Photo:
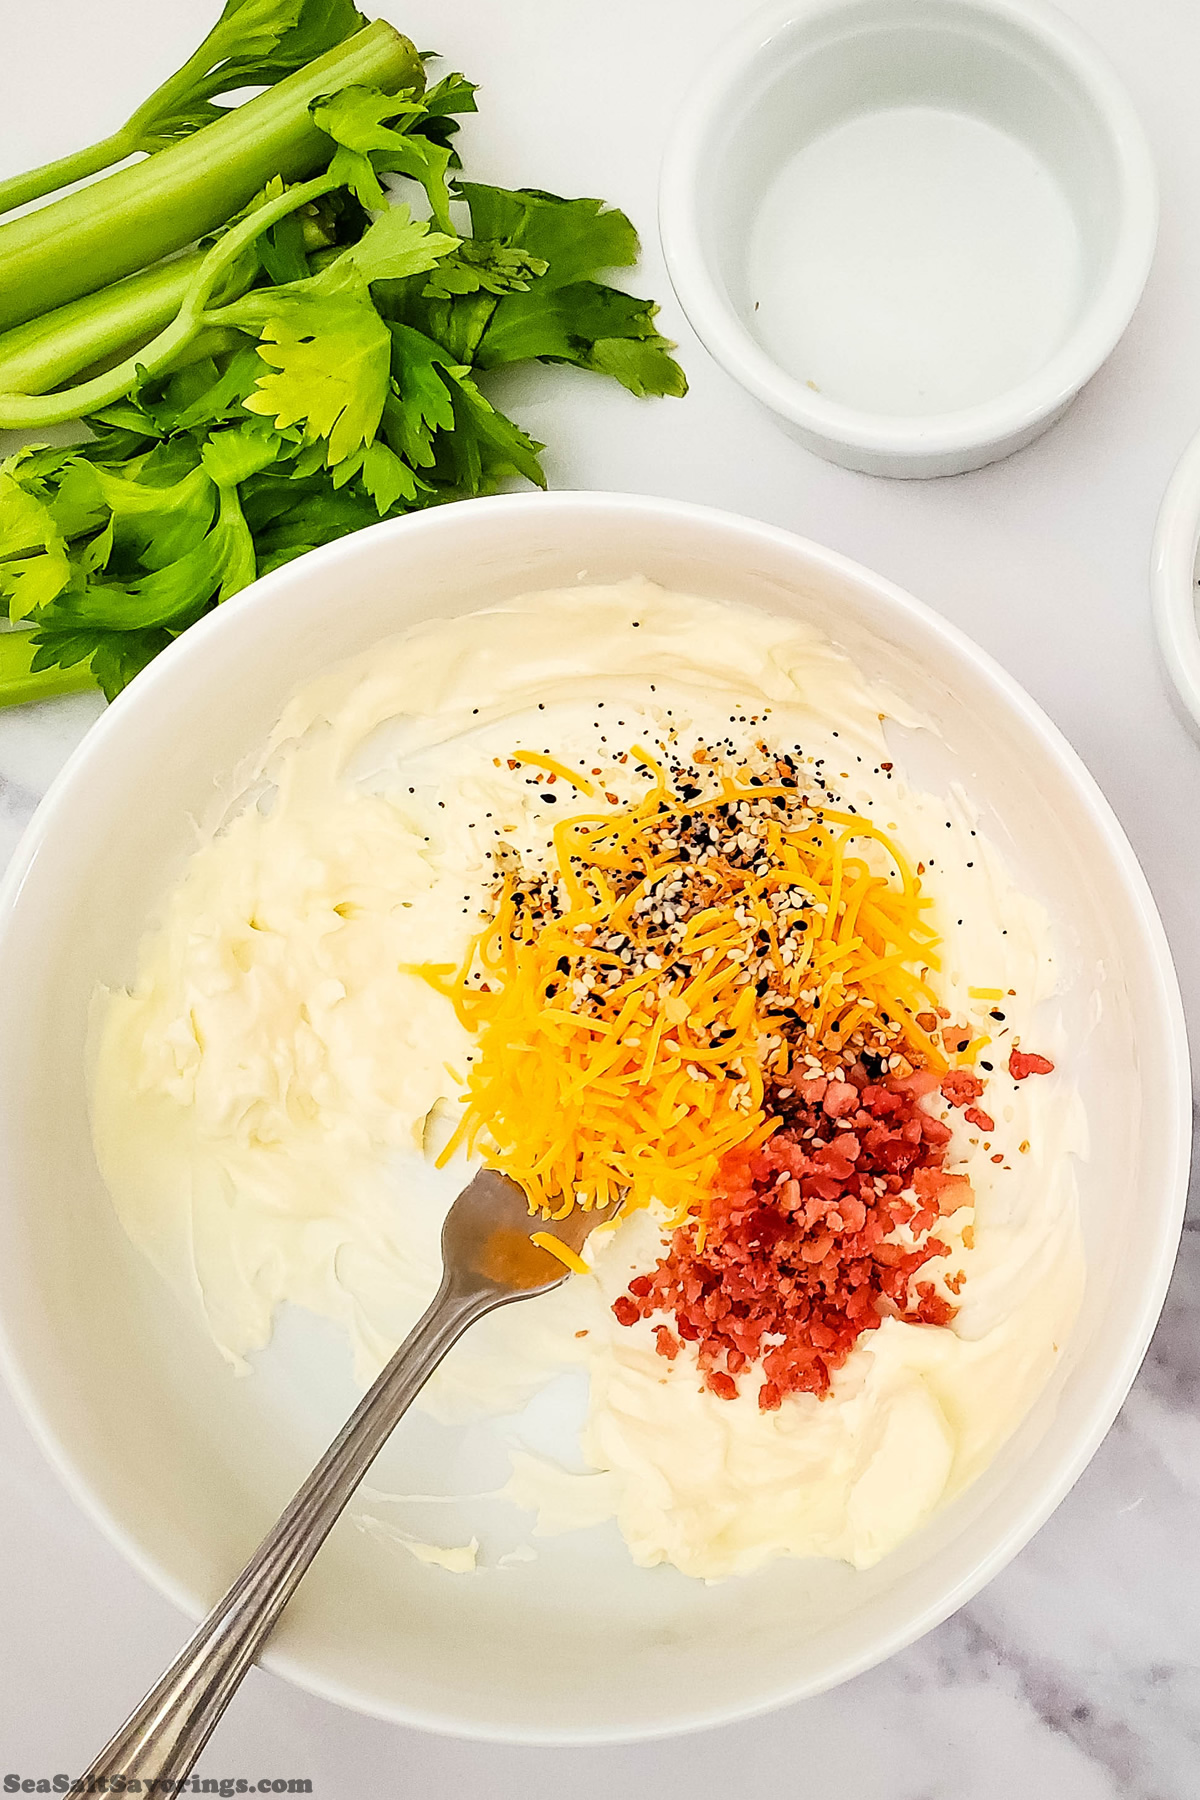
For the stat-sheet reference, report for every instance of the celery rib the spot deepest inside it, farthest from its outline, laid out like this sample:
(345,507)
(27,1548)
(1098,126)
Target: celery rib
(137,215)
(38,355)
(19,684)
(19,190)
(30,412)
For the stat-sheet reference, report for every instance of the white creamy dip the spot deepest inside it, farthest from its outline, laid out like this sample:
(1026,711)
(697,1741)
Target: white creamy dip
(268,1097)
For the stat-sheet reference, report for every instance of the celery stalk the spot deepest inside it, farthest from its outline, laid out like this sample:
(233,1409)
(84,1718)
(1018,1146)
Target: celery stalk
(208,287)
(19,190)
(36,356)
(19,684)
(133,217)
(254,43)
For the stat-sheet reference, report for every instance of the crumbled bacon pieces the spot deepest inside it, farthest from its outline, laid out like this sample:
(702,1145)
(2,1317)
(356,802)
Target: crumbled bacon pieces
(975,1115)
(840,1099)
(1023,1062)
(960,1086)
(800,1253)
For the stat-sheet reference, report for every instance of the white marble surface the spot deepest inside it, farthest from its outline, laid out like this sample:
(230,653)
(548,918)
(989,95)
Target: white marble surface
(1076,1675)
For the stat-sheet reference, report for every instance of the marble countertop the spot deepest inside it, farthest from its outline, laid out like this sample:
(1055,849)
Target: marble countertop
(1076,1674)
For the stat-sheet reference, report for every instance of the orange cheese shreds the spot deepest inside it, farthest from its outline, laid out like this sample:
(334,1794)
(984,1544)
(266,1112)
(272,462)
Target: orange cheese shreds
(534,759)
(546,1240)
(602,1074)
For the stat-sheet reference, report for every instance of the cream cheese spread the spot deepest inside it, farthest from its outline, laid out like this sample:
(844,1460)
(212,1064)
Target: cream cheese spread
(268,1095)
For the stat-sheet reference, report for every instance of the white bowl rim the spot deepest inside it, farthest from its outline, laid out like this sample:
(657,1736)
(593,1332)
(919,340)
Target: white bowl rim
(996,421)
(1027,1520)
(1173,578)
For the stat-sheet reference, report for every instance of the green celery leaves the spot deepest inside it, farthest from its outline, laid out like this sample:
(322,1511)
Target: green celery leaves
(253,43)
(345,385)
(330,358)
(355,120)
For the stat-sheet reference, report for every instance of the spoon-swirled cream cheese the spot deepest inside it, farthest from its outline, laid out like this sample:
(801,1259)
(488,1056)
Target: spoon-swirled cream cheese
(267,1095)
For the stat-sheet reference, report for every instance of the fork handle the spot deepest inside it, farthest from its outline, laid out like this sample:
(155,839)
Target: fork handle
(162,1737)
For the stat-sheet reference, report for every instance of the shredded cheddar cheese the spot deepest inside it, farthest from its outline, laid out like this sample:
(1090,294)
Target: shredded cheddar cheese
(632,1005)
(546,1240)
(552,766)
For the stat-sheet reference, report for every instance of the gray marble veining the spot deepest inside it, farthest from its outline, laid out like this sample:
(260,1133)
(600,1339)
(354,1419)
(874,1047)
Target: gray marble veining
(35,741)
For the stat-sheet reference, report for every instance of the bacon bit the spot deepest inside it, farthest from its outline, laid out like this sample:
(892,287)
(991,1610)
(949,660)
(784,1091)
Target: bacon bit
(968,1237)
(928,1022)
(799,1240)
(975,1115)
(948,1191)
(840,1098)
(918,1083)
(1023,1062)
(999,1157)
(931,1308)
(954,1282)
(611,798)
(960,1086)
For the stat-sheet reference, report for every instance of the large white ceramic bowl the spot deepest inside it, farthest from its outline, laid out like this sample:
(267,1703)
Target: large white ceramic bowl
(913,229)
(184,1465)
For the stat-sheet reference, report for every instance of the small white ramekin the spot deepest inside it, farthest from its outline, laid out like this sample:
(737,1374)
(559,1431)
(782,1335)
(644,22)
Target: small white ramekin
(807,74)
(1173,580)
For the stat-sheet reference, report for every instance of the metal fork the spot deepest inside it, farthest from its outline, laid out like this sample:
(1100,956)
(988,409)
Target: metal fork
(488,1261)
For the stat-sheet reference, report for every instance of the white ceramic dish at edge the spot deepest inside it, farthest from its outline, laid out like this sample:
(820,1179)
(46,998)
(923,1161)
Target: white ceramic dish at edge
(1173,573)
(912,229)
(183,1465)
